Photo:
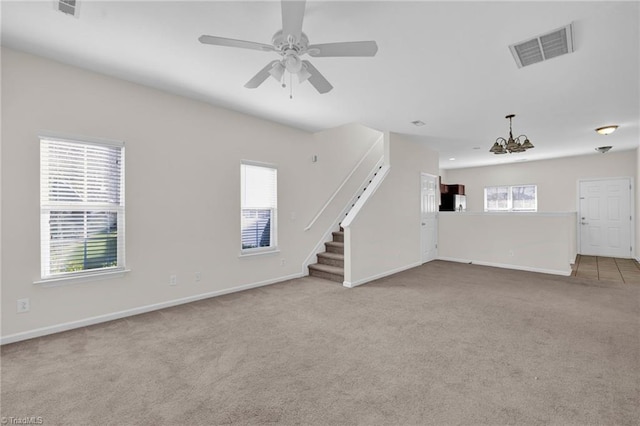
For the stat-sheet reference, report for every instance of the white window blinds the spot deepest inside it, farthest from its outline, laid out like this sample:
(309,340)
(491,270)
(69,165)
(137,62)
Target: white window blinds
(521,198)
(259,205)
(82,207)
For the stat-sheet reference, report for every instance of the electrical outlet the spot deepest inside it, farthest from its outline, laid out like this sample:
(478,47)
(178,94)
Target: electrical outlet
(511,253)
(173,280)
(283,262)
(23,305)
(198,276)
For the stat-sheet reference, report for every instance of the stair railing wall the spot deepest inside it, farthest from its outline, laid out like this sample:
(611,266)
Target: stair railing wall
(344,182)
(372,187)
(327,236)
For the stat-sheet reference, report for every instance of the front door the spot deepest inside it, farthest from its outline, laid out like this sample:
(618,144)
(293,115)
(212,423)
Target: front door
(429,217)
(604,217)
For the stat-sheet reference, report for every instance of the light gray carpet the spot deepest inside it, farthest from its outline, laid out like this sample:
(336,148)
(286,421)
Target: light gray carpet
(441,344)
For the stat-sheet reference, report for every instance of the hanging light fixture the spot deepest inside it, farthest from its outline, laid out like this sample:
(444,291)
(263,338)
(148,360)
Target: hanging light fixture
(503,146)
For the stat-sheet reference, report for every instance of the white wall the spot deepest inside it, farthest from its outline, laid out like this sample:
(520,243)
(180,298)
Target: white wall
(557,182)
(637,207)
(182,191)
(385,236)
(556,179)
(336,150)
(540,242)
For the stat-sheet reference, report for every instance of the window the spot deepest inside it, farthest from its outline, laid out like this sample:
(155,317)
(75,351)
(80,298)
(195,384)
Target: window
(81,207)
(516,198)
(259,207)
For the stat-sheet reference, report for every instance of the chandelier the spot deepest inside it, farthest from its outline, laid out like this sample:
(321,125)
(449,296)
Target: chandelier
(503,146)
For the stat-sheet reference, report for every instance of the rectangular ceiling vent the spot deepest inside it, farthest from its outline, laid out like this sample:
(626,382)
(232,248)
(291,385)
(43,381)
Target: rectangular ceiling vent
(68,7)
(543,47)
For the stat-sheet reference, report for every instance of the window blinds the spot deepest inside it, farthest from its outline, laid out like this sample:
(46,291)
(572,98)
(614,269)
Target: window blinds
(82,206)
(259,204)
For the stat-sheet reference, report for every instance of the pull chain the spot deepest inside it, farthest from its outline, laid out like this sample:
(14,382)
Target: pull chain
(290,86)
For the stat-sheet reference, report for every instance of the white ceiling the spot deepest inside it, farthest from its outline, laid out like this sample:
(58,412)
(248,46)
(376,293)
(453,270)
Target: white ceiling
(445,63)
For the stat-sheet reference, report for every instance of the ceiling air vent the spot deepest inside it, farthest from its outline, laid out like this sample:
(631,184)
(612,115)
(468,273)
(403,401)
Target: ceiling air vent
(543,47)
(67,7)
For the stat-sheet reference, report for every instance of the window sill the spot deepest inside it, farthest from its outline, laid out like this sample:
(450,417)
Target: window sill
(259,252)
(74,279)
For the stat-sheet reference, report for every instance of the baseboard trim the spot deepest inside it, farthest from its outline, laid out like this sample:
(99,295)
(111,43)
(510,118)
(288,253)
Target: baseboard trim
(350,284)
(44,331)
(565,273)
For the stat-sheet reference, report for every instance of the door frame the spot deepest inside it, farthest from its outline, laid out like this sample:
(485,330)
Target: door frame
(632,208)
(437,213)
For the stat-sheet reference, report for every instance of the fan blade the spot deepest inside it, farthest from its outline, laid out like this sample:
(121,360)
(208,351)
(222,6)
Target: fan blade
(292,17)
(349,48)
(229,42)
(262,75)
(316,79)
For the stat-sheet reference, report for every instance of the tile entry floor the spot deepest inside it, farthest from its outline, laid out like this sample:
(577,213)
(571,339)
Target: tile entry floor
(607,269)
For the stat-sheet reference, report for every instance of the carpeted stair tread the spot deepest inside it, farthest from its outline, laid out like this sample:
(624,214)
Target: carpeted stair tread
(327,268)
(335,256)
(333,259)
(327,272)
(338,236)
(334,243)
(330,264)
(334,247)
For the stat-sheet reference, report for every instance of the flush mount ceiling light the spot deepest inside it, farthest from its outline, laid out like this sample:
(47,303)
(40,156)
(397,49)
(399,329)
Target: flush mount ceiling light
(503,146)
(603,149)
(606,130)
(418,123)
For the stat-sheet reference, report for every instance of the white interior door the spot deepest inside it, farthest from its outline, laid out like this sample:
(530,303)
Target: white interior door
(604,217)
(429,217)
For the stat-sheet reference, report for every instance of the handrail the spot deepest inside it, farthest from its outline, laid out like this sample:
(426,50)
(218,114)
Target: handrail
(371,189)
(344,182)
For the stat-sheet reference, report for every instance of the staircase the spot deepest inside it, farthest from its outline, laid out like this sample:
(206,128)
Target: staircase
(330,264)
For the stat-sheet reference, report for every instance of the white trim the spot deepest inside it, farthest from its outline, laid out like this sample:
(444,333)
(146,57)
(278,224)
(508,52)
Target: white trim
(371,189)
(632,212)
(515,213)
(60,137)
(437,235)
(510,199)
(38,332)
(349,284)
(258,252)
(81,277)
(565,273)
(259,164)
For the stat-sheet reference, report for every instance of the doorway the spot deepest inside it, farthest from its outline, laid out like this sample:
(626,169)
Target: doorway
(429,217)
(604,217)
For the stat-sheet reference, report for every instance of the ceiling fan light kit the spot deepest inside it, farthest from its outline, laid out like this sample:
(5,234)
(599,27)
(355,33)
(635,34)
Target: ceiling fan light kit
(291,44)
(504,146)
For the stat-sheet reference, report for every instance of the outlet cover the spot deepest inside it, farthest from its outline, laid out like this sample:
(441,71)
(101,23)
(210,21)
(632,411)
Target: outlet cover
(173,280)
(23,305)
(198,276)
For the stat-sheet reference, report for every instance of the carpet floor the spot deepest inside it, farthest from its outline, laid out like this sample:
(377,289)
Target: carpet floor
(442,344)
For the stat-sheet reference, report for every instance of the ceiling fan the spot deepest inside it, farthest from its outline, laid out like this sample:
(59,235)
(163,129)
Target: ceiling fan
(291,43)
